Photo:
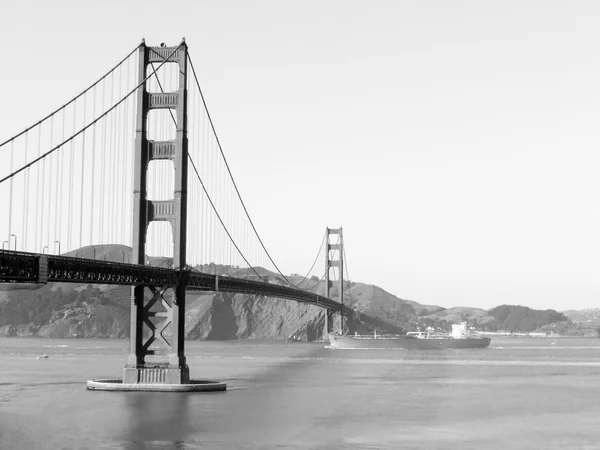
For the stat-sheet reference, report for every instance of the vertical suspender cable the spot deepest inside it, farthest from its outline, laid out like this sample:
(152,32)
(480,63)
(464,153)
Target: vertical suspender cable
(200,201)
(10,200)
(191,217)
(219,199)
(123,158)
(210,181)
(116,167)
(119,169)
(40,198)
(71,174)
(102,167)
(26,202)
(59,179)
(82,174)
(204,202)
(346,266)
(232,224)
(128,154)
(36,218)
(111,166)
(50,181)
(113,170)
(192,211)
(93,177)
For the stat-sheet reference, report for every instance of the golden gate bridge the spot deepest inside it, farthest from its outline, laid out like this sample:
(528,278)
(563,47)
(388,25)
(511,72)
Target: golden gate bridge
(144,128)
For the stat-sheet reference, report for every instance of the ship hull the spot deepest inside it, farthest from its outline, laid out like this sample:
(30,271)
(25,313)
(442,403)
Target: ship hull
(406,342)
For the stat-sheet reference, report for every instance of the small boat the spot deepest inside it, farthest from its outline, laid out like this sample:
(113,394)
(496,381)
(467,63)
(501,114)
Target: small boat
(44,356)
(458,339)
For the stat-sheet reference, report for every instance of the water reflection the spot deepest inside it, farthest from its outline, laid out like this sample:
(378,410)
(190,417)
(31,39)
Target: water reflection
(161,419)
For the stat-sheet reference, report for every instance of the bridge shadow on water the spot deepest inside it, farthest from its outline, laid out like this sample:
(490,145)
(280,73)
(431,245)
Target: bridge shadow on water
(157,418)
(252,412)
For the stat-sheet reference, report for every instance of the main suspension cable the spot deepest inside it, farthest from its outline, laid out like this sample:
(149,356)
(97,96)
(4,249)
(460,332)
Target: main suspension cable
(219,216)
(70,101)
(234,185)
(346,265)
(230,174)
(203,186)
(313,264)
(87,126)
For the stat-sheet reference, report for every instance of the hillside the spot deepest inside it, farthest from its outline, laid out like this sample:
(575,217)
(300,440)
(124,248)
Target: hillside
(413,315)
(474,316)
(584,317)
(521,318)
(103,311)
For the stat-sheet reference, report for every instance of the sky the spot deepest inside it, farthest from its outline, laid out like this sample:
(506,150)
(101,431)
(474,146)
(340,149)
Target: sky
(456,142)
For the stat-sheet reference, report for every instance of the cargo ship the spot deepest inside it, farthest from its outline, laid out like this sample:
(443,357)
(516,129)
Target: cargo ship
(459,338)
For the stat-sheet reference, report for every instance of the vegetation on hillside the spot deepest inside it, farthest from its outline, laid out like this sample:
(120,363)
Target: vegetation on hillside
(589,317)
(523,319)
(37,307)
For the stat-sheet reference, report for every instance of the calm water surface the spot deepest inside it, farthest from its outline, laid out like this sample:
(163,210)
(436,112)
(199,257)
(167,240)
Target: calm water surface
(517,394)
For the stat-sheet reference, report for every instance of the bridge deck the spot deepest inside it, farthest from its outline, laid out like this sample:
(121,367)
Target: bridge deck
(27,270)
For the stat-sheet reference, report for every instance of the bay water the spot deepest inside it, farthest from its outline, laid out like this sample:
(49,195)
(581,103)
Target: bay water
(520,393)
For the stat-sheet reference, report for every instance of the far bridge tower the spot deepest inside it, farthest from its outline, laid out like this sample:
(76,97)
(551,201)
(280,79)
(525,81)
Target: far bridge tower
(334,257)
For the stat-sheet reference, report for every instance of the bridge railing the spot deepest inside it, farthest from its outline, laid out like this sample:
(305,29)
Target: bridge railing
(62,268)
(22,267)
(18,267)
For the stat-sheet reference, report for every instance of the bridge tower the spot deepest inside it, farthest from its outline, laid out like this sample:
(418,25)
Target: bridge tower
(147,324)
(334,257)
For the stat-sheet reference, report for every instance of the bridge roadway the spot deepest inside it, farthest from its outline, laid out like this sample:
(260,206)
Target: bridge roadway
(29,270)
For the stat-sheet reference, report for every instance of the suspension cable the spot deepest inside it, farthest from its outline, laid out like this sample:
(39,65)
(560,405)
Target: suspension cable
(219,216)
(318,282)
(346,265)
(234,185)
(202,184)
(326,270)
(313,264)
(229,171)
(71,101)
(89,125)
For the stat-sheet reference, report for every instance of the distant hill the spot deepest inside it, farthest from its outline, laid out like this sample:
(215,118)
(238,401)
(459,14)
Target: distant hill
(584,317)
(474,316)
(115,253)
(413,315)
(522,318)
(369,297)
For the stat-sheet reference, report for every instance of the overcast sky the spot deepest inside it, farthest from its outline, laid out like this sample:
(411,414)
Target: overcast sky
(455,141)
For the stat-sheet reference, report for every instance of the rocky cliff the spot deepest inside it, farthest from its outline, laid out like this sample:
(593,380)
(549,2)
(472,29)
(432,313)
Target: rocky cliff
(239,316)
(103,312)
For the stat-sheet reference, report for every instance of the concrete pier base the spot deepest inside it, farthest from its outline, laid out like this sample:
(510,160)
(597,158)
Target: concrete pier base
(192,386)
(156,373)
(157,377)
